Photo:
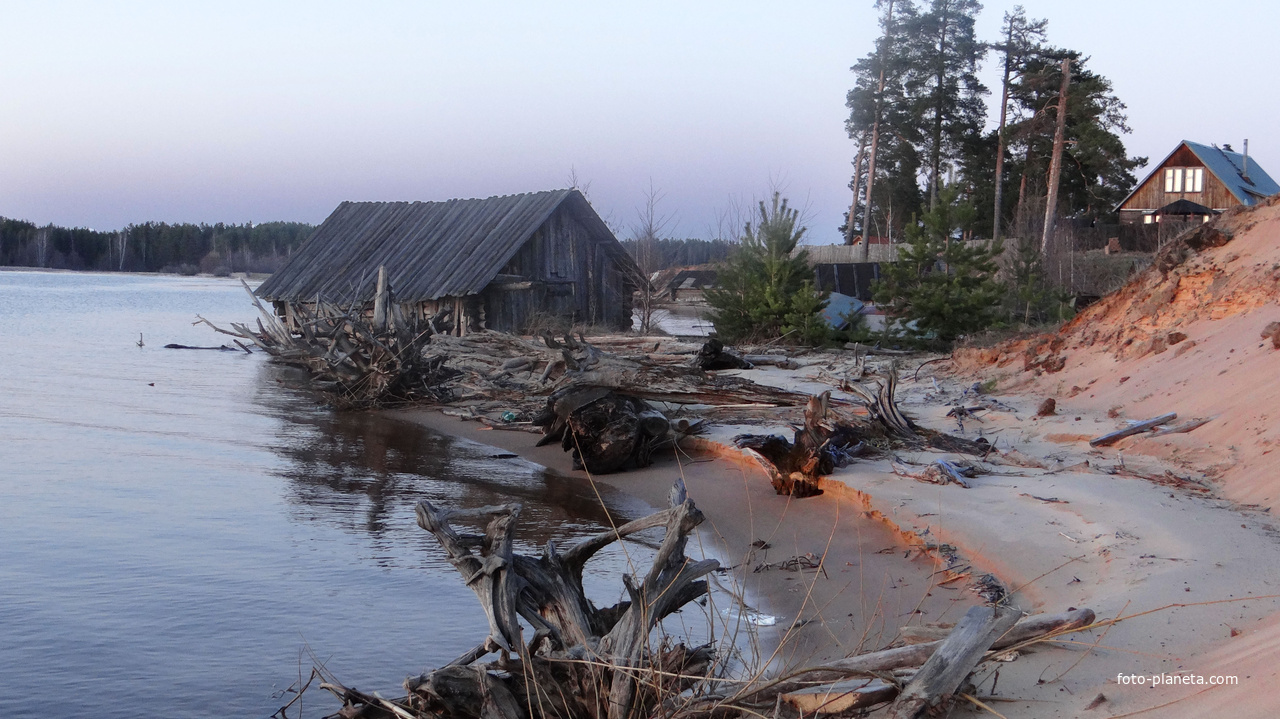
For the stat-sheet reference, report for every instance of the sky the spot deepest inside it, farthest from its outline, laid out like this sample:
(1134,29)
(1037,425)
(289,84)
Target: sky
(114,113)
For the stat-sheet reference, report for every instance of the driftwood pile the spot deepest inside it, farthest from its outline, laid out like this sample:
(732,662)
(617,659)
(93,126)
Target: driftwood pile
(597,403)
(578,661)
(830,439)
(355,360)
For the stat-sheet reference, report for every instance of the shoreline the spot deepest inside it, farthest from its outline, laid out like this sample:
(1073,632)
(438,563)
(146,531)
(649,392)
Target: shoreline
(1062,537)
(865,590)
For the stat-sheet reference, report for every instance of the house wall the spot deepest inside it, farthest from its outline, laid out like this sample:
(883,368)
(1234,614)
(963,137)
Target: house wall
(564,271)
(1151,195)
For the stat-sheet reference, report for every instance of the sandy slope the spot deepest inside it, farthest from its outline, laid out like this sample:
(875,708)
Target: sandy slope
(1185,337)
(1123,353)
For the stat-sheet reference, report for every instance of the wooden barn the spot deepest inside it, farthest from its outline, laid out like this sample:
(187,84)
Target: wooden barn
(1196,182)
(501,263)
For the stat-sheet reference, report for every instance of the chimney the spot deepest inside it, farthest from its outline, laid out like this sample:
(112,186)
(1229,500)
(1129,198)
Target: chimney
(1245,174)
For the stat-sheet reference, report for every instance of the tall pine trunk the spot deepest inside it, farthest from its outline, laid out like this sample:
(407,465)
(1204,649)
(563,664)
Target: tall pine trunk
(1004,109)
(1055,165)
(875,140)
(935,161)
(857,187)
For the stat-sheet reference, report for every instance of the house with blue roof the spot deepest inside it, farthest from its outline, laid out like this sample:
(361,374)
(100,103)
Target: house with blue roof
(1196,182)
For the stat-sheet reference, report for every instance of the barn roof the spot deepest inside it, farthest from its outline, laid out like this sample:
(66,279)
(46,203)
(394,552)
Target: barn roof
(1228,166)
(430,249)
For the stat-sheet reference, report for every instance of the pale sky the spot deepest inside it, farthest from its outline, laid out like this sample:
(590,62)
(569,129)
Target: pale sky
(118,112)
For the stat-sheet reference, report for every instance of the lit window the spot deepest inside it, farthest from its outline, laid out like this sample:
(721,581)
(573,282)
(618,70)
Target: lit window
(1173,179)
(1146,220)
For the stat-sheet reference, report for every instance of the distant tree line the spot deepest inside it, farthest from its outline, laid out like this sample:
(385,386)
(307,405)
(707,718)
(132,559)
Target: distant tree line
(661,254)
(152,247)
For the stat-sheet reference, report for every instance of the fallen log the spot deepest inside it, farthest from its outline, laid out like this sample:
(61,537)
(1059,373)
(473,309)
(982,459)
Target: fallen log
(1135,428)
(219,348)
(779,361)
(873,664)
(841,697)
(1184,427)
(953,660)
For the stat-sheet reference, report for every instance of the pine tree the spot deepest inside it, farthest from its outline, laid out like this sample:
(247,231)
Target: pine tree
(942,84)
(763,290)
(1021,41)
(1031,300)
(1097,170)
(879,120)
(942,287)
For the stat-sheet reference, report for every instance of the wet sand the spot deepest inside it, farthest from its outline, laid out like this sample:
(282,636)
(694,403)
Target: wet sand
(869,583)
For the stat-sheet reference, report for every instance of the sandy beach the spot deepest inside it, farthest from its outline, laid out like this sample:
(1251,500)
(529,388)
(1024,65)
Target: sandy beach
(1064,535)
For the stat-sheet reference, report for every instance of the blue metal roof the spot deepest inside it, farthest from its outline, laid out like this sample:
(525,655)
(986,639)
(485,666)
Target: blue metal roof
(1228,166)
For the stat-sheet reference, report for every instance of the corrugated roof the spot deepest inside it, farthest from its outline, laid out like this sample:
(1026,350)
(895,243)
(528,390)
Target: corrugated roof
(1228,167)
(430,249)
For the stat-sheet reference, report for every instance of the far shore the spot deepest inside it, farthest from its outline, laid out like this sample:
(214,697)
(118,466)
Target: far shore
(249,276)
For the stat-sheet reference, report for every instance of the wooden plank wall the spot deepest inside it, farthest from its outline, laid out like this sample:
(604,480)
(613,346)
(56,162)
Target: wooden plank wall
(570,276)
(1151,195)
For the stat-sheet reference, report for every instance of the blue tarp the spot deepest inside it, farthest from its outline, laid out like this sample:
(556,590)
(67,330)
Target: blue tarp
(839,308)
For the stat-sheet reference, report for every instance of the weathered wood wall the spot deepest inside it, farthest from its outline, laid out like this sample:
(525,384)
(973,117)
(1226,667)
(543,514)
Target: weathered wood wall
(565,271)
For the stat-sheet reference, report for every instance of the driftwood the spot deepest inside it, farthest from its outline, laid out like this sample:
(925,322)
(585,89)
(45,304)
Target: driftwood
(605,431)
(581,662)
(584,662)
(953,660)
(819,446)
(877,350)
(841,697)
(940,472)
(823,443)
(1184,427)
(355,361)
(800,688)
(1135,428)
(714,356)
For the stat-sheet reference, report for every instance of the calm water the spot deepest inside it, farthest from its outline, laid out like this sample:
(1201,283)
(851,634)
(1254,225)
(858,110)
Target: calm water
(179,528)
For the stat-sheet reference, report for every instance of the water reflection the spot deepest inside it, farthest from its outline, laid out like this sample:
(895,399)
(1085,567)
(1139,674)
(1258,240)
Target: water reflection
(365,472)
(175,525)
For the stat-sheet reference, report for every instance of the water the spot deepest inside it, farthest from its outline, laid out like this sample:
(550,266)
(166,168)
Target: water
(183,532)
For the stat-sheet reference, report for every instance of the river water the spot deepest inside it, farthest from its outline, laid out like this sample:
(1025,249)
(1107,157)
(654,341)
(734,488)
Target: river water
(183,533)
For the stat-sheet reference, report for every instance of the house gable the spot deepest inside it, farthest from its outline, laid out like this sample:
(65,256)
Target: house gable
(1203,174)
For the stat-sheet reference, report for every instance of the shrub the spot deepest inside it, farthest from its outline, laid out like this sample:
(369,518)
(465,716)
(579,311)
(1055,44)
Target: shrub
(763,291)
(941,287)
